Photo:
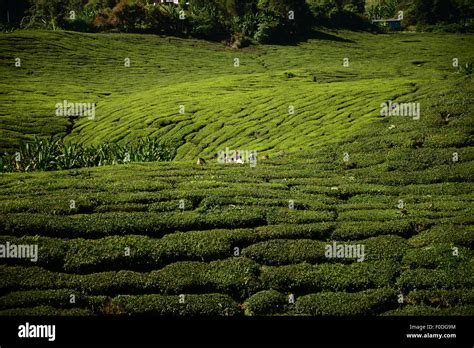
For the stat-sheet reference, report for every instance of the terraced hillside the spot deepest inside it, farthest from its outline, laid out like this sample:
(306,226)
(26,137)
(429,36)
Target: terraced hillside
(224,105)
(227,239)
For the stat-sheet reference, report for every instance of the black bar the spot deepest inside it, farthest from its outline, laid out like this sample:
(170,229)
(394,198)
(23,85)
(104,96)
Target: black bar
(241,331)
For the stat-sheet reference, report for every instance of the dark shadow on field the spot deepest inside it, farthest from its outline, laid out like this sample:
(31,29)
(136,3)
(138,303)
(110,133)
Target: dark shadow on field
(319,35)
(313,35)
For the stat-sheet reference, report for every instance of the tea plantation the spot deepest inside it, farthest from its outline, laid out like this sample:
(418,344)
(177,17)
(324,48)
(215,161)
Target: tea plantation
(181,239)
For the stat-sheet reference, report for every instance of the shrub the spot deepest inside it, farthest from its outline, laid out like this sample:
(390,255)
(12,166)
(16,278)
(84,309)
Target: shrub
(121,223)
(235,276)
(363,229)
(441,298)
(307,278)
(318,230)
(280,252)
(212,244)
(368,302)
(212,202)
(107,283)
(46,311)
(51,204)
(15,278)
(145,253)
(436,256)
(279,216)
(51,252)
(90,255)
(265,302)
(125,207)
(445,233)
(384,248)
(194,305)
(422,310)
(369,215)
(27,278)
(55,298)
(172,205)
(422,278)
(108,253)
(467,68)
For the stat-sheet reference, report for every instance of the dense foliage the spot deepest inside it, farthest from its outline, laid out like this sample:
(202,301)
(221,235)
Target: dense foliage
(238,22)
(55,154)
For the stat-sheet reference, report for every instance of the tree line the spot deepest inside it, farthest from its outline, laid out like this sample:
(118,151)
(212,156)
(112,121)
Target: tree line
(239,22)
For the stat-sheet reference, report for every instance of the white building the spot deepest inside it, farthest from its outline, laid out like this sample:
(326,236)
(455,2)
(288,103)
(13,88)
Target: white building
(166,2)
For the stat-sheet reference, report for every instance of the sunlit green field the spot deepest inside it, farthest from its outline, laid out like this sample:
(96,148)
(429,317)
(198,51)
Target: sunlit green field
(224,105)
(178,238)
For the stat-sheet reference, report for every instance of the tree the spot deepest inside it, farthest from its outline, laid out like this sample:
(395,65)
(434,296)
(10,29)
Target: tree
(466,10)
(282,19)
(435,11)
(445,11)
(51,13)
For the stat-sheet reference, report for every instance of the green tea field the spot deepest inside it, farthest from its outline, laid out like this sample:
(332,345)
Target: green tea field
(181,238)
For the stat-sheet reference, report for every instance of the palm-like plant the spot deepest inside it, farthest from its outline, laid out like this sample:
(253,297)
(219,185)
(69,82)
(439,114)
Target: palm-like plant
(54,154)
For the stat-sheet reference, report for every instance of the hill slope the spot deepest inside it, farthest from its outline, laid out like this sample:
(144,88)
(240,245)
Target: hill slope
(181,239)
(224,105)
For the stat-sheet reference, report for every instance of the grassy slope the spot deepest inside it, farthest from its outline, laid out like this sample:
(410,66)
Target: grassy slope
(192,252)
(225,106)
